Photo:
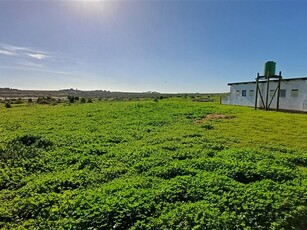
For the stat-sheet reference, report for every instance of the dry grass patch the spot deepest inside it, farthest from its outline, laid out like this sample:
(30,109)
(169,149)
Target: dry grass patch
(218,116)
(212,116)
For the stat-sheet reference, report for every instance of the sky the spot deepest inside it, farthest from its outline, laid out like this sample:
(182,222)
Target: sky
(168,46)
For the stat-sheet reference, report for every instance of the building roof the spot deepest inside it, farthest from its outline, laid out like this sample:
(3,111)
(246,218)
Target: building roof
(285,79)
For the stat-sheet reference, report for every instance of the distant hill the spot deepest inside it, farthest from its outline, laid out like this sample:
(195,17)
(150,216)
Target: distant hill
(16,93)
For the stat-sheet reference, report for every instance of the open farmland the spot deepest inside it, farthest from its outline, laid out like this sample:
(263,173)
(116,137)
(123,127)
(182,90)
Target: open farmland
(152,165)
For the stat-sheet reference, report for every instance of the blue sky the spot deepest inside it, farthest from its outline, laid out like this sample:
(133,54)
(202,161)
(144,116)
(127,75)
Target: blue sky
(165,46)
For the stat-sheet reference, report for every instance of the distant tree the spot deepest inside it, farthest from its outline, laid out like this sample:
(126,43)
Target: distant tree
(76,98)
(19,101)
(30,100)
(89,100)
(82,100)
(71,99)
(44,102)
(39,99)
(8,105)
(156,99)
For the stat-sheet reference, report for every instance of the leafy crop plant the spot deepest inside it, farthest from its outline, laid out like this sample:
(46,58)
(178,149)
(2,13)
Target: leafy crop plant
(175,164)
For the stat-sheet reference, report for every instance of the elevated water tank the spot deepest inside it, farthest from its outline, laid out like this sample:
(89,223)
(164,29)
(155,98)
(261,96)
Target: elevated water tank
(269,68)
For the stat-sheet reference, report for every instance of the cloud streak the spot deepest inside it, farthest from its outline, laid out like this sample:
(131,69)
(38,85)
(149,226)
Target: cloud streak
(31,59)
(7,53)
(12,48)
(30,64)
(36,69)
(23,52)
(38,56)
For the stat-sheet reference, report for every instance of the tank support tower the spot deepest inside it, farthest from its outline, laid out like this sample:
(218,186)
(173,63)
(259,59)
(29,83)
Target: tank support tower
(269,75)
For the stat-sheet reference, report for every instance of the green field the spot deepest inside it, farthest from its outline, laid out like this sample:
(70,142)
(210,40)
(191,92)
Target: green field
(152,165)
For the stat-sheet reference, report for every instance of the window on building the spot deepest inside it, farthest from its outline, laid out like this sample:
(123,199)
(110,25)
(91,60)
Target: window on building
(243,93)
(238,92)
(282,93)
(294,92)
(251,93)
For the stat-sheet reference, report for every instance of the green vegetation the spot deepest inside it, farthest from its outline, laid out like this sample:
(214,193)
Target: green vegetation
(83,100)
(151,165)
(7,105)
(46,100)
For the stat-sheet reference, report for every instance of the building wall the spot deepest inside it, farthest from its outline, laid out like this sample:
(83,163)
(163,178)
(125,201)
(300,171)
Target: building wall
(297,102)
(236,97)
(293,94)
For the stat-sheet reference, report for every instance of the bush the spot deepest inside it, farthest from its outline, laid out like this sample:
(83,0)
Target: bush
(18,101)
(71,99)
(46,100)
(207,126)
(82,100)
(8,105)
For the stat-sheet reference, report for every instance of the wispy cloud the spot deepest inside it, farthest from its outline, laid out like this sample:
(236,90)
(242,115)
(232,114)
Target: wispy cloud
(12,48)
(32,59)
(30,64)
(23,52)
(36,69)
(21,49)
(38,56)
(6,52)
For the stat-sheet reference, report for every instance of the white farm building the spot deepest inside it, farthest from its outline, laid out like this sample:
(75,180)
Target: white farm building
(270,93)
